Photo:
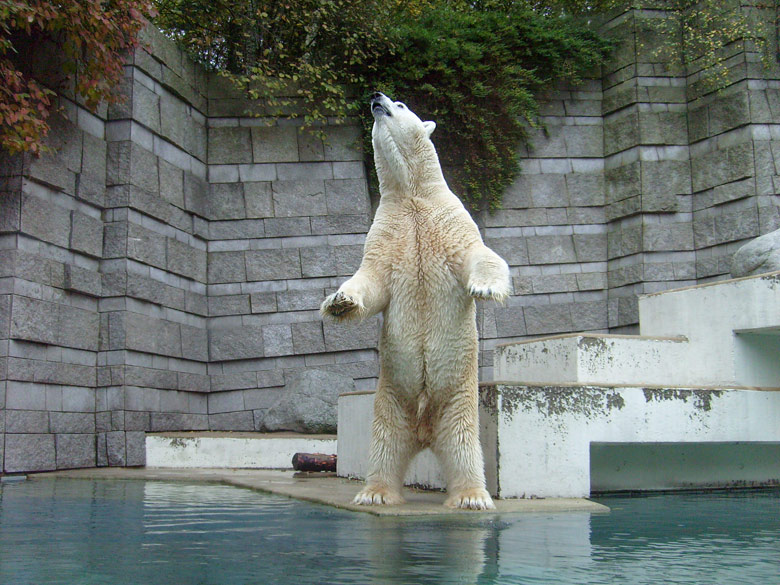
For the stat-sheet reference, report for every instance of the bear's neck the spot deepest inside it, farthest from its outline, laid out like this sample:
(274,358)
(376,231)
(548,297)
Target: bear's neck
(420,178)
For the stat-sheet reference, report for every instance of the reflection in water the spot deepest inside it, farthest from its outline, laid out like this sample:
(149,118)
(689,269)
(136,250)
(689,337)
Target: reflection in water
(84,532)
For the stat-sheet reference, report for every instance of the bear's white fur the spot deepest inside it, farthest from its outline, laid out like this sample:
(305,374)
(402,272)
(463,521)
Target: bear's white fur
(423,265)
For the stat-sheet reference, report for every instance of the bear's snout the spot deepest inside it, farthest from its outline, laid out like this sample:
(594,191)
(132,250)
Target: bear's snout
(377,105)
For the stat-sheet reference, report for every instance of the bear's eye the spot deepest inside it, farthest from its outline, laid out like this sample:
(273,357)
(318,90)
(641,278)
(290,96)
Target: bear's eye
(400,105)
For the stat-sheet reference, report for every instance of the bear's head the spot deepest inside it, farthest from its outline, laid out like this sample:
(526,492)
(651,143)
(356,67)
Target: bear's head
(403,152)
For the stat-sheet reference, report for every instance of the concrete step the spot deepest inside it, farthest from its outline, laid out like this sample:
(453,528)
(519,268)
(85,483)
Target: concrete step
(209,449)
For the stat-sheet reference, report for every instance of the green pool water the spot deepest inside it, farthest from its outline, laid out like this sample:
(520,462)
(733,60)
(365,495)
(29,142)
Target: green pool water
(157,533)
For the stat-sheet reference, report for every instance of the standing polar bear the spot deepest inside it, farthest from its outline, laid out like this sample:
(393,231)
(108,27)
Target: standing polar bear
(423,265)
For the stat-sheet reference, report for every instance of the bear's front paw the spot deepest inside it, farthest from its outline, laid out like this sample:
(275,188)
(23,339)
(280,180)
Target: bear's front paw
(340,306)
(485,292)
(376,495)
(471,499)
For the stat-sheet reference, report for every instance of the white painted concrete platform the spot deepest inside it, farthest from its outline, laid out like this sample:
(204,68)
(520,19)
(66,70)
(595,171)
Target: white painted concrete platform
(694,401)
(213,450)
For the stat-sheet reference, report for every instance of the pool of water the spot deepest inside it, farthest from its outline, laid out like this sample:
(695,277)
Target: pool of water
(145,532)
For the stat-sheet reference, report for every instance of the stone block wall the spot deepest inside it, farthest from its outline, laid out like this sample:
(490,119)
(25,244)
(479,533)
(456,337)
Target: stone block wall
(163,269)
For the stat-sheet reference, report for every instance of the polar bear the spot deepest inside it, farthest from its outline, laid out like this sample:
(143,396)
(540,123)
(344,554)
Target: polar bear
(423,265)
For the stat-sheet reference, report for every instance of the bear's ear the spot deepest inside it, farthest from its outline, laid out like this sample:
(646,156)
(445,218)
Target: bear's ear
(429,127)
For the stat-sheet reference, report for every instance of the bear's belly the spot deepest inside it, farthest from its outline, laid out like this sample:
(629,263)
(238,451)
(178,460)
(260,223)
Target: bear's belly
(429,336)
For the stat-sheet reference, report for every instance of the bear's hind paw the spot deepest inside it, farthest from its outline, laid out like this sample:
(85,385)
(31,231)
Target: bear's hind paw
(373,496)
(471,499)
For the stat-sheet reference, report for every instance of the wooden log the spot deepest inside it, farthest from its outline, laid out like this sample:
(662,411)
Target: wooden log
(314,462)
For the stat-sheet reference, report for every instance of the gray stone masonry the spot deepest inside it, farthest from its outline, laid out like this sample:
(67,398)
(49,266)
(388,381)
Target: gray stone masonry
(162,270)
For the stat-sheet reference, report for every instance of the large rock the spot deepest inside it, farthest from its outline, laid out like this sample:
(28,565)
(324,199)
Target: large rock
(309,403)
(757,256)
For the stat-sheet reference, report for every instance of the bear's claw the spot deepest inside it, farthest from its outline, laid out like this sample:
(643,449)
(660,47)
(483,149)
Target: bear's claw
(377,497)
(473,499)
(339,305)
(486,293)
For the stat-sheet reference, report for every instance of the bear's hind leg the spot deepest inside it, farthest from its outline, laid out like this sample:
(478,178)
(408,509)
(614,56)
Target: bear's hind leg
(457,448)
(393,445)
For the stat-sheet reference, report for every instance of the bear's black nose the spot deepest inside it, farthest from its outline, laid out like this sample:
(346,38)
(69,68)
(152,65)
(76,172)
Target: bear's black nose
(377,95)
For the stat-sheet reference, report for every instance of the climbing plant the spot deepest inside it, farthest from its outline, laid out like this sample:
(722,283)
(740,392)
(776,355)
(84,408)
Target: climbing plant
(92,38)
(473,66)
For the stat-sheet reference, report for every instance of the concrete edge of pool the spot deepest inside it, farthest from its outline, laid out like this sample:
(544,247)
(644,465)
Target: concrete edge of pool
(329,490)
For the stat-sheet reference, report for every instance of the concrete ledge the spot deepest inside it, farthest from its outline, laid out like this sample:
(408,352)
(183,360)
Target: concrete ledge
(328,490)
(232,450)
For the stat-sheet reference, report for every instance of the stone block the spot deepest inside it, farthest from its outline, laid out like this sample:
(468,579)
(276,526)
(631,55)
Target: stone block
(34,320)
(309,402)
(228,305)
(590,247)
(554,283)
(273,264)
(667,237)
(258,199)
(195,382)
(340,224)
(621,132)
(45,221)
(547,190)
(20,396)
(29,452)
(171,183)
(547,319)
(300,197)
(82,281)
(226,201)
(590,316)
(224,267)
(299,300)
(585,190)
(229,145)
(116,451)
(194,343)
(10,211)
(722,166)
(78,399)
(146,246)
(72,422)
(727,112)
(186,260)
(272,144)
(196,194)
(26,421)
(226,402)
(234,381)
(591,281)
(584,141)
(308,337)
(277,340)
(310,146)
(350,336)
(86,234)
(91,189)
(663,128)
(168,421)
(237,229)
(551,250)
(79,328)
(263,302)
(287,227)
(623,182)
(51,170)
(150,378)
(146,107)
(150,335)
(320,261)
(236,343)
(347,197)
(93,158)
(232,421)
(510,322)
(342,143)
